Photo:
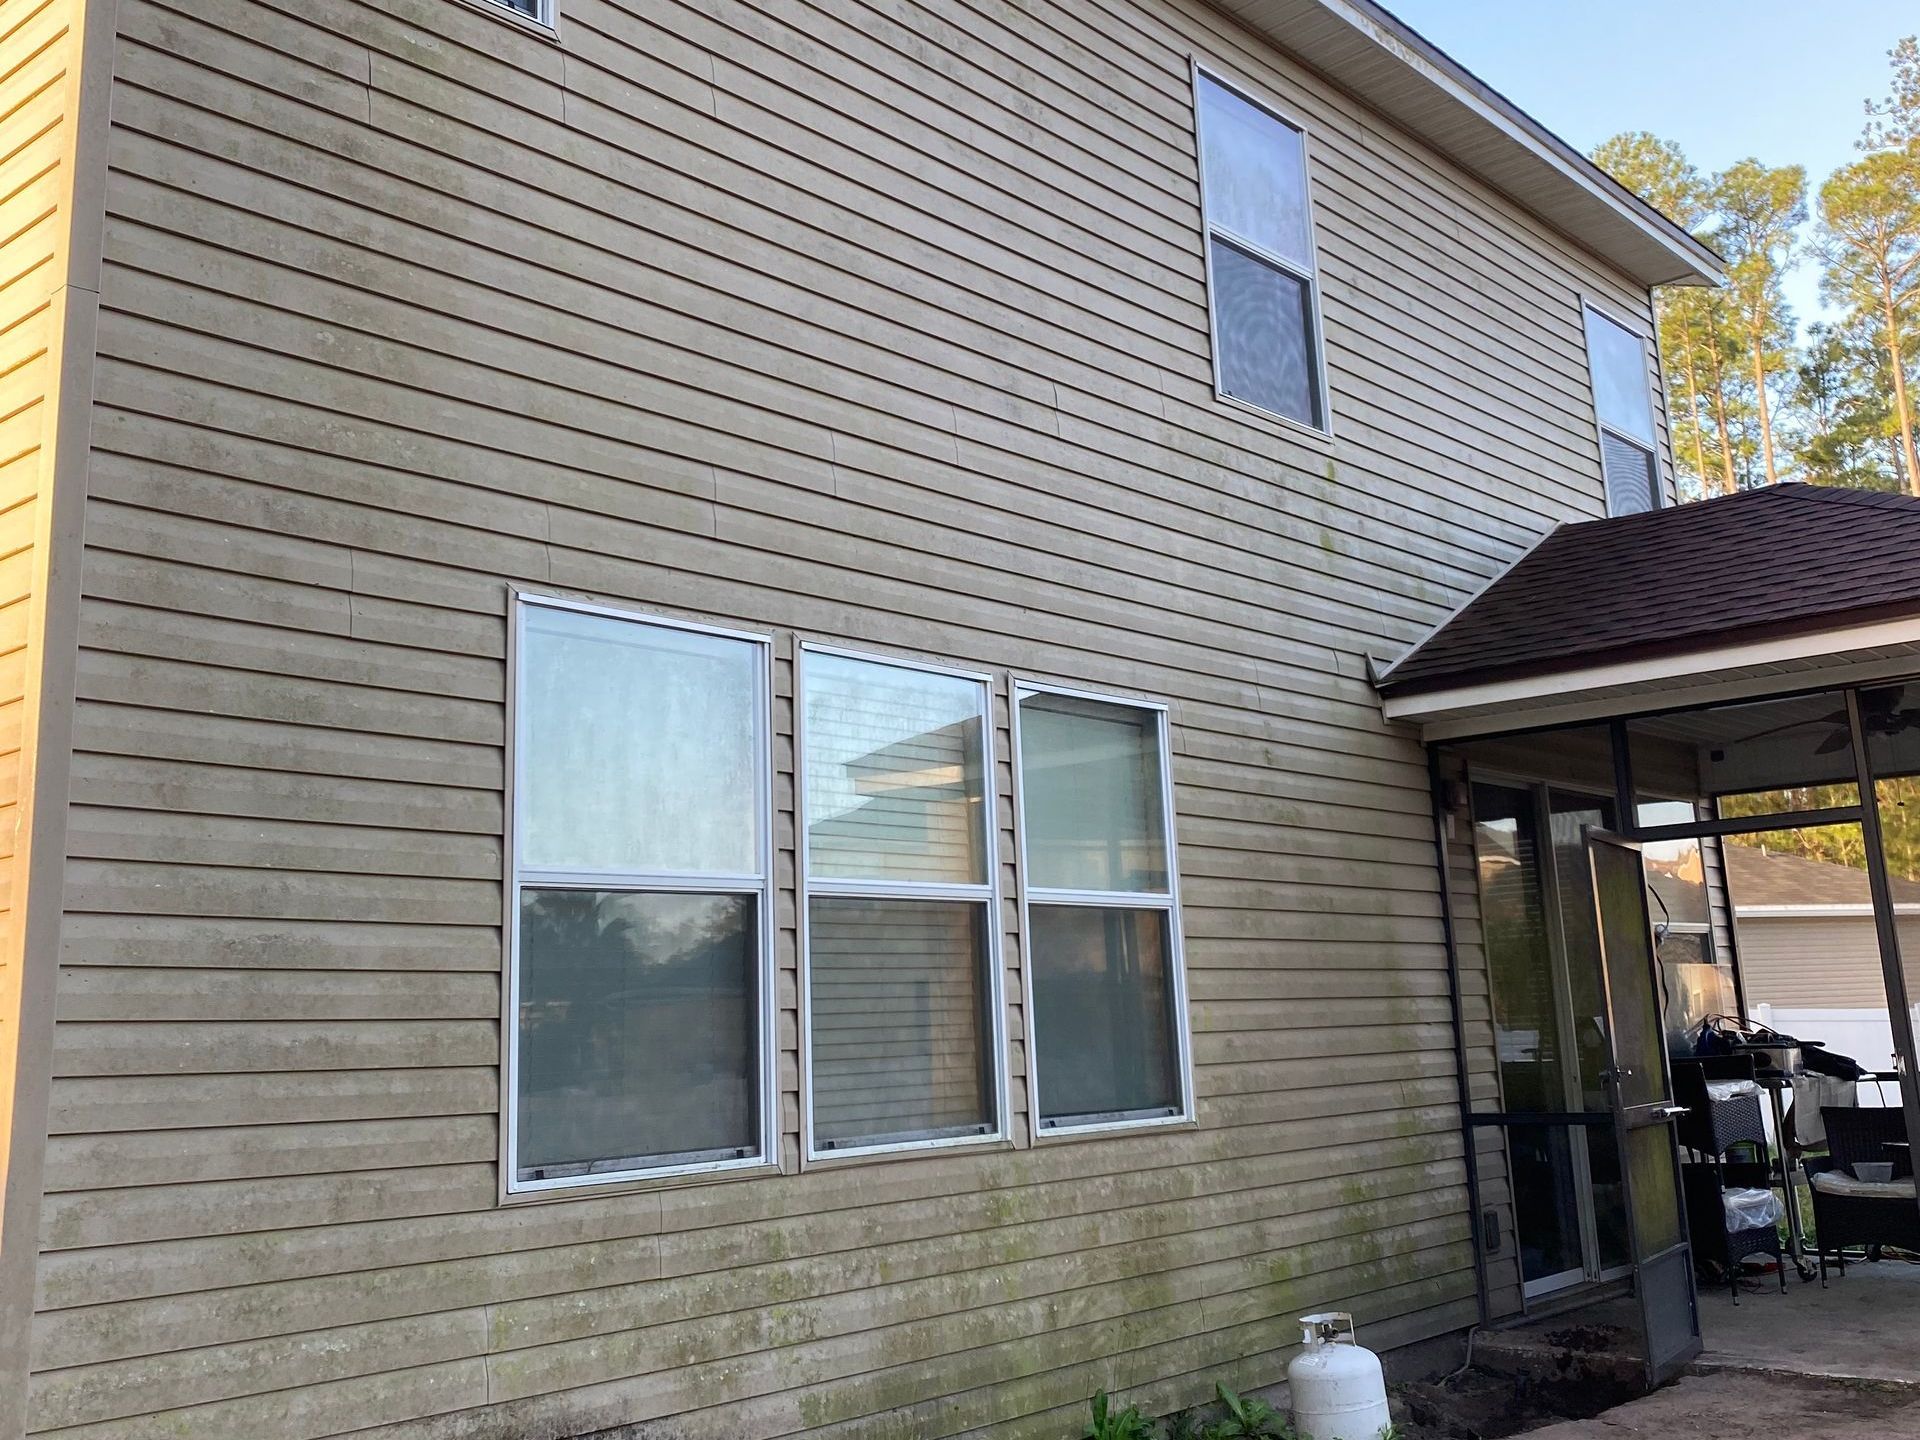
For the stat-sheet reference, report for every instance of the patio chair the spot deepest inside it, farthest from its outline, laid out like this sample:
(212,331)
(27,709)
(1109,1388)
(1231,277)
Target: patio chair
(1850,1212)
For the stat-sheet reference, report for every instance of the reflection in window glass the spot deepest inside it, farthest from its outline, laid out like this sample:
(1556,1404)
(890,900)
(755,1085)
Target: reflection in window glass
(1514,922)
(1622,390)
(1570,817)
(639,746)
(1104,979)
(1104,1013)
(1260,255)
(894,775)
(637,1031)
(900,1022)
(1255,169)
(1091,785)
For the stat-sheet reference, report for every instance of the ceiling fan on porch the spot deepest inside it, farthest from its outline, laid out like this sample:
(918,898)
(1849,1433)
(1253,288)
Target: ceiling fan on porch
(1881,713)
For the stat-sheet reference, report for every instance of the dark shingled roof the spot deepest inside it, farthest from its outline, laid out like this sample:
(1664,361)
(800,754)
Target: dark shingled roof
(1783,560)
(1759,876)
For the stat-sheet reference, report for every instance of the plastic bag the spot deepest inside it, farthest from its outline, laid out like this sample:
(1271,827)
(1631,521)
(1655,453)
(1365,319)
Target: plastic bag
(1751,1209)
(1730,1089)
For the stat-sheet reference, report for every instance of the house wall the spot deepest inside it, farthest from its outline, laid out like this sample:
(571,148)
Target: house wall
(1812,963)
(53,69)
(872,325)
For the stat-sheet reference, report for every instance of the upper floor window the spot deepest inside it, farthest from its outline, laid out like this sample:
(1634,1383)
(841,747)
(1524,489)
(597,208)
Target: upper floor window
(1623,398)
(1261,271)
(901,1006)
(538,11)
(1106,995)
(640,908)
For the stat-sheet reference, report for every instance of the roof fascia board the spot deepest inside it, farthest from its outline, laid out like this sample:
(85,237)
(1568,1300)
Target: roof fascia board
(1691,261)
(1552,699)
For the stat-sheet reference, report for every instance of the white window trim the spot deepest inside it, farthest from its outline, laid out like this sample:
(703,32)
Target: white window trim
(1169,902)
(1655,407)
(545,25)
(988,894)
(519,601)
(1208,229)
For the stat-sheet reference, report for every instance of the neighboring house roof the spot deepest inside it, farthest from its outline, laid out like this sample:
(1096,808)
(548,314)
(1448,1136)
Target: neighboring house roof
(1404,76)
(1784,560)
(1760,879)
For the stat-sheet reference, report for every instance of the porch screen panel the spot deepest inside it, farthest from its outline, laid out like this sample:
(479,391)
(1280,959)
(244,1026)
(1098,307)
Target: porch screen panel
(640,878)
(1105,987)
(900,1015)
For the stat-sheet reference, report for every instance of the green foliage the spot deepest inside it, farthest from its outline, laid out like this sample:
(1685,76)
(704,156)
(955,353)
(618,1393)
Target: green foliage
(1108,1424)
(1249,1418)
(1751,399)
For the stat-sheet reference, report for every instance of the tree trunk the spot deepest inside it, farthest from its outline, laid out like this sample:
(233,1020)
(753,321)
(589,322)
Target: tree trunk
(1760,403)
(1901,409)
(1691,374)
(1720,421)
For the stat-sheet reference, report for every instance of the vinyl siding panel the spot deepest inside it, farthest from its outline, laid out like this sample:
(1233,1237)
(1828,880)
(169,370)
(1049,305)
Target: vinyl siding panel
(1812,963)
(878,327)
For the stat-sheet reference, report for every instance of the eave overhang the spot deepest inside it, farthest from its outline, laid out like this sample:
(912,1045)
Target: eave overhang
(1394,70)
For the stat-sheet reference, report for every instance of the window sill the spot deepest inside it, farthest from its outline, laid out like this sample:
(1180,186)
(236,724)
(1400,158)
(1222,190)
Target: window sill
(1293,429)
(913,1150)
(526,24)
(639,1185)
(1114,1129)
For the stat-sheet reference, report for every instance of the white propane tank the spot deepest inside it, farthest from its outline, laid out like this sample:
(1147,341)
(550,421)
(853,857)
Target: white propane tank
(1339,1391)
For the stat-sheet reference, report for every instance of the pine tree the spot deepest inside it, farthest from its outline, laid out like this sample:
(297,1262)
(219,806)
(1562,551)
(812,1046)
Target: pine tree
(1758,209)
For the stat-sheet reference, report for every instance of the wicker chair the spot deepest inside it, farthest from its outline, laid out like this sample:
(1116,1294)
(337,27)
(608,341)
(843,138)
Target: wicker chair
(1869,1221)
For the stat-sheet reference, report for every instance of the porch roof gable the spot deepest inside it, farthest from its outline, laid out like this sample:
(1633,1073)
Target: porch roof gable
(1790,564)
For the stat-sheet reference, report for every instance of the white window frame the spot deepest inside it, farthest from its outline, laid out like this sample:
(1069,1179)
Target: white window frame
(544,24)
(1655,407)
(761,885)
(1168,902)
(987,895)
(1208,230)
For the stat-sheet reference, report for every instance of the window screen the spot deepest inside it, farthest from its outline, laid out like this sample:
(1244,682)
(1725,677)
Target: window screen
(1105,989)
(640,895)
(1260,256)
(1623,400)
(899,956)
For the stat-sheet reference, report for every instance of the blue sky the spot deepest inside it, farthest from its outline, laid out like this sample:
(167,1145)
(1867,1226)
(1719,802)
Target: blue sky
(1723,78)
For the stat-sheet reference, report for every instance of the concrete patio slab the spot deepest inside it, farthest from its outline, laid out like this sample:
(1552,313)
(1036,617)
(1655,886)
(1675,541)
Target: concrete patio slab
(1735,1405)
(1863,1327)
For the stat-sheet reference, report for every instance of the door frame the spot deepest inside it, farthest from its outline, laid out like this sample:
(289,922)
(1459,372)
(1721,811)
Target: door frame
(1629,1119)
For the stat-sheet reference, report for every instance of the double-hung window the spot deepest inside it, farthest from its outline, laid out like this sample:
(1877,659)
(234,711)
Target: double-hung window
(1262,275)
(900,974)
(1623,400)
(640,963)
(1105,992)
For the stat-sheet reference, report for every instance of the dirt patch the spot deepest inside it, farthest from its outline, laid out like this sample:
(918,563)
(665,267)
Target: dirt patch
(1484,1403)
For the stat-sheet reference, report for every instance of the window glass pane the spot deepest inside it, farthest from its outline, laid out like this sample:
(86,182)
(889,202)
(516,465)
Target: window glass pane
(1091,792)
(1263,323)
(900,1002)
(1254,167)
(637,1041)
(1676,869)
(894,773)
(1532,1054)
(1547,1218)
(1622,391)
(1633,483)
(1103,1013)
(1569,817)
(639,746)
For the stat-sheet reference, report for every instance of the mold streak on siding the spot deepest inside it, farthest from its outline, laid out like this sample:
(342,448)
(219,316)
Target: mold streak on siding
(883,325)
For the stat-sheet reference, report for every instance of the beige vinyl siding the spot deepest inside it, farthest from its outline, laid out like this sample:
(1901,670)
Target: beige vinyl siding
(49,236)
(1812,962)
(883,327)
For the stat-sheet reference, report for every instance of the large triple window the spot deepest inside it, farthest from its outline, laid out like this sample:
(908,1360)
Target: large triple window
(1105,999)
(640,898)
(1623,400)
(641,907)
(901,1001)
(1262,275)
